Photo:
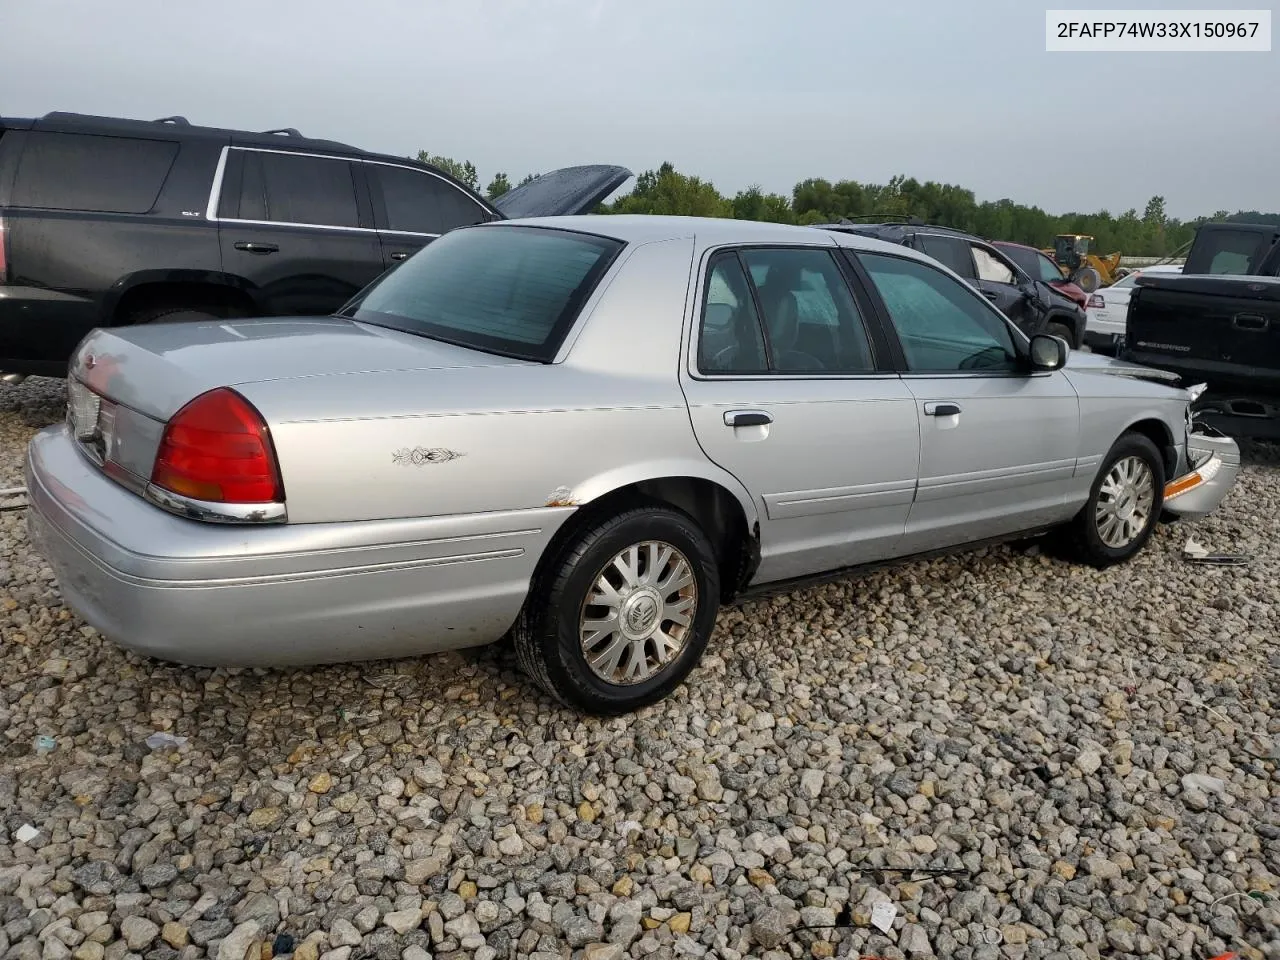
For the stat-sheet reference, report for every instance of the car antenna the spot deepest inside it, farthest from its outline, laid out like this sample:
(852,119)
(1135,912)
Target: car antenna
(181,121)
(286,132)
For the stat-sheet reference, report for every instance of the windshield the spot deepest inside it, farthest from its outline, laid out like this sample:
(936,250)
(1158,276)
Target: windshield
(511,290)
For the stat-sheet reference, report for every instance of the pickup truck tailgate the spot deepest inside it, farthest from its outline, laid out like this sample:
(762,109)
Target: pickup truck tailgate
(1207,323)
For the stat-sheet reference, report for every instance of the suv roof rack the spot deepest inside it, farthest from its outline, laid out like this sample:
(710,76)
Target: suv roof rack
(286,132)
(885,218)
(183,121)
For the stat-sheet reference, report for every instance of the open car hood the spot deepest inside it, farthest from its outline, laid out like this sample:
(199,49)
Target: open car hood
(563,193)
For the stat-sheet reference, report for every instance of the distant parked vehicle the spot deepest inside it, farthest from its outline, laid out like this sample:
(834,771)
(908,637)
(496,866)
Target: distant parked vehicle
(107,222)
(1108,307)
(1218,322)
(988,269)
(586,434)
(1037,265)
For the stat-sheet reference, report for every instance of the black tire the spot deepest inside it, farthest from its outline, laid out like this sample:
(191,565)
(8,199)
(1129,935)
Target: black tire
(547,637)
(1084,539)
(174,313)
(1062,330)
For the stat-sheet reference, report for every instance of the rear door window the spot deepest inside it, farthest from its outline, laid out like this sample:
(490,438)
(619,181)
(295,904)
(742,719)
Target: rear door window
(75,171)
(291,188)
(418,202)
(950,251)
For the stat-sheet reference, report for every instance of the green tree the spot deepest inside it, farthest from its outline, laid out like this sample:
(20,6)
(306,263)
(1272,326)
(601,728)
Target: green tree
(497,186)
(463,171)
(528,178)
(664,191)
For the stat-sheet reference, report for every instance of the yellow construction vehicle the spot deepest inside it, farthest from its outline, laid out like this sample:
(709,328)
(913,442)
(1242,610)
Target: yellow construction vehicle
(1087,270)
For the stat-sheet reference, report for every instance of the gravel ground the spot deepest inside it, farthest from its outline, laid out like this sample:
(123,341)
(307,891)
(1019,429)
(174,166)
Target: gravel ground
(1097,754)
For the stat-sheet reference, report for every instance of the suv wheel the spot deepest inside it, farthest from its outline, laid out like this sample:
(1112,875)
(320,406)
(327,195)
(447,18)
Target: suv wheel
(1063,331)
(622,615)
(176,313)
(1124,503)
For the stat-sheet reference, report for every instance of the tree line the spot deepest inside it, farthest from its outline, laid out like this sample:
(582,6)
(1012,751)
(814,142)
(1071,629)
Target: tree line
(1151,233)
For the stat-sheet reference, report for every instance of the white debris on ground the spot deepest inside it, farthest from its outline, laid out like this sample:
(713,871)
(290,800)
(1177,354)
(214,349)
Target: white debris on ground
(1095,752)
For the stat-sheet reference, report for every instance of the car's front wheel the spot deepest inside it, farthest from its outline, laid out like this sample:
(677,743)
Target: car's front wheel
(1124,503)
(622,613)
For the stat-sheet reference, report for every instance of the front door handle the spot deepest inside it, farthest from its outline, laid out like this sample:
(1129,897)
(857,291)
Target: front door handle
(747,418)
(252,246)
(942,408)
(400,255)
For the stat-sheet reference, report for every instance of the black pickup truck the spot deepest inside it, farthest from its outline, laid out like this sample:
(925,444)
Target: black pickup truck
(1218,322)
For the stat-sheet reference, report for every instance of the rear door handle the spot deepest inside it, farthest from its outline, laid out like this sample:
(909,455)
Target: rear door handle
(940,408)
(400,255)
(990,295)
(747,418)
(252,246)
(1250,321)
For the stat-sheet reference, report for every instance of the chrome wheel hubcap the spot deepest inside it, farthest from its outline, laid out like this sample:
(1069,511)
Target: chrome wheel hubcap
(639,613)
(1125,500)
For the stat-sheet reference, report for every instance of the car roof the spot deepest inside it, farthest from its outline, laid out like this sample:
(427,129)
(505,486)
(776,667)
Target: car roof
(1010,243)
(708,231)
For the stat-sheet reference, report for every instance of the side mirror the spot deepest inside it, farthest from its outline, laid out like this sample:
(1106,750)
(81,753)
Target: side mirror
(1048,352)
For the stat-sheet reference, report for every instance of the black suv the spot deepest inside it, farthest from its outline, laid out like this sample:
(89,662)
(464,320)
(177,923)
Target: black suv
(992,273)
(105,222)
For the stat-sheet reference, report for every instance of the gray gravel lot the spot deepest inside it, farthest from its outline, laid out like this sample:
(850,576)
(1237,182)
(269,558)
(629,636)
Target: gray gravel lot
(1098,753)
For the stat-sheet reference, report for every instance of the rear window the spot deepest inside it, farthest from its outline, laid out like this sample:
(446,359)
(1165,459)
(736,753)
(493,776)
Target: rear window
(508,290)
(76,171)
(1227,251)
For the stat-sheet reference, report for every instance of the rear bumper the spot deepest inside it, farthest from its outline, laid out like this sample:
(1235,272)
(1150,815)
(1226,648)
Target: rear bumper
(1214,463)
(293,594)
(39,329)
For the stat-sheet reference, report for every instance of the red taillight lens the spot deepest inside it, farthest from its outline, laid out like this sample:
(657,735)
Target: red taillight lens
(1096,302)
(4,264)
(217,448)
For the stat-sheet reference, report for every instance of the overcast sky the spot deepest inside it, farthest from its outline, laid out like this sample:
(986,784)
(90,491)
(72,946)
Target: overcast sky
(735,91)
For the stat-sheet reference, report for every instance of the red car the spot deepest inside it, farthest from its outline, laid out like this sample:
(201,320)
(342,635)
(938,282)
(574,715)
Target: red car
(1040,267)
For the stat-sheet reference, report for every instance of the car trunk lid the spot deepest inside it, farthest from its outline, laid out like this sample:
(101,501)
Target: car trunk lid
(565,192)
(126,383)
(156,369)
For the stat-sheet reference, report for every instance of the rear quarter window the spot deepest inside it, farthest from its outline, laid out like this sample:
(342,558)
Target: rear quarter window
(99,174)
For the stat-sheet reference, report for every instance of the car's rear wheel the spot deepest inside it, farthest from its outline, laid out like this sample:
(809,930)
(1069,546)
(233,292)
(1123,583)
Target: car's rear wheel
(622,613)
(1124,503)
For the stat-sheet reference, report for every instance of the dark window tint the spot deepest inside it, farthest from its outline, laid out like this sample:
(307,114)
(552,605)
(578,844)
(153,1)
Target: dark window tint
(951,251)
(1227,251)
(509,290)
(73,171)
(730,340)
(810,316)
(942,324)
(308,190)
(244,191)
(418,202)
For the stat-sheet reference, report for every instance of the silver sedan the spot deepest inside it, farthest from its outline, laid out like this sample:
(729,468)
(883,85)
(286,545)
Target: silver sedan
(584,434)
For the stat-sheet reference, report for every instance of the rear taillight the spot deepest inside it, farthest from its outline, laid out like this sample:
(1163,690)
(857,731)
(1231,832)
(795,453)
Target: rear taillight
(1096,302)
(4,263)
(217,448)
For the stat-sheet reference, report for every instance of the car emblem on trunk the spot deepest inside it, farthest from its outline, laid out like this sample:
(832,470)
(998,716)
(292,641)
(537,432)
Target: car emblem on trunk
(417,456)
(90,361)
